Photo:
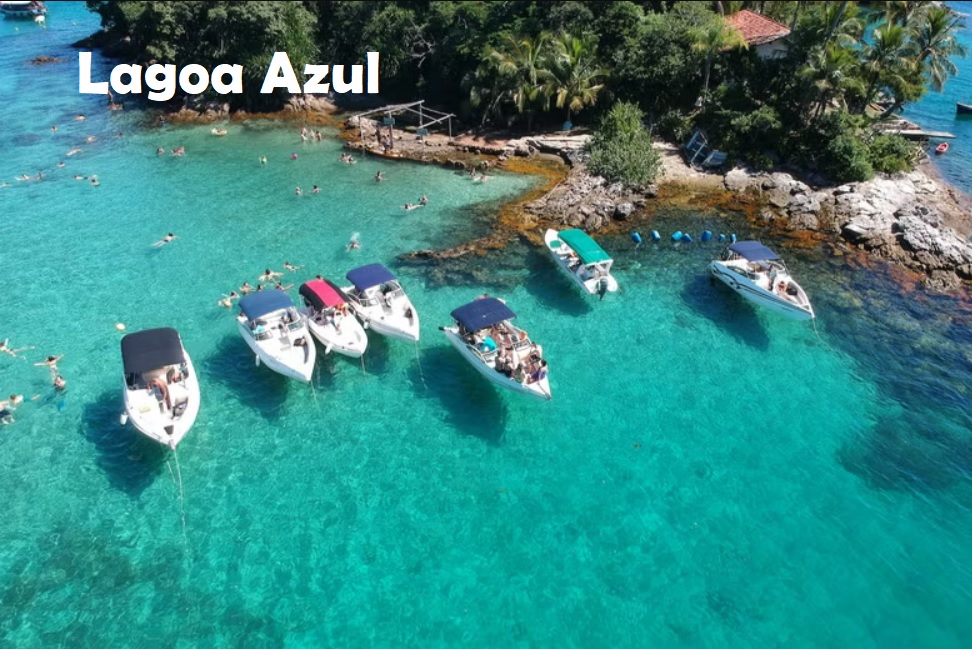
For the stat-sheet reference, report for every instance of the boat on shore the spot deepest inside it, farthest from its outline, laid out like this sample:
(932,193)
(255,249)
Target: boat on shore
(759,275)
(486,337)
(160,385)
(277,333)
(582,260)
(25,10)
(380,302)
(331,320)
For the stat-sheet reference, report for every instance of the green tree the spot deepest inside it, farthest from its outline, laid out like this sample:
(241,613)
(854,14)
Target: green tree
(573,77)
(831,71)
(515,75)
(933,44)
(621,148)
(714,38)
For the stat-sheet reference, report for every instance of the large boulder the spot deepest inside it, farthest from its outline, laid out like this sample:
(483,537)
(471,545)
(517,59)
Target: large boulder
(623,210)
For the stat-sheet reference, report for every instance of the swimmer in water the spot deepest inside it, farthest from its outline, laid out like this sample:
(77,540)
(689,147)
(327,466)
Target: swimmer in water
(353,244)
(60,165)
(263,159)
(90,138)
(79,118)
(246,288)
(59,383)
(316,190)
(78,177)
(299,193)
(281,287)
(5,348)
(73,151)
(379,177)
(160,151)
(424,200)
(164,240)
(289,266)
(51,363)
(293,156)
(180,151)
(94,181)
(269,275)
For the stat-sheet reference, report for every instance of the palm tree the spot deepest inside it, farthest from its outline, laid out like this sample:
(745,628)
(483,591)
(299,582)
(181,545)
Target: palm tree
(831,71)
(900,12)
(718,36)
(933,44)
(517,66)
(888,65)
(573,77)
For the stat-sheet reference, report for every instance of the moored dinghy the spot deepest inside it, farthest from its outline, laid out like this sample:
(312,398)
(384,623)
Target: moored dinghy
(500,351)
(277,333)
(582,260)
(379,300)
(161,388)
(330,319)
(759,275)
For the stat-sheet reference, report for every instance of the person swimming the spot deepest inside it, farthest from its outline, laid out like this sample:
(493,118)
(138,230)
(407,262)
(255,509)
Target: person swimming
(160,151)
(281,287)
(379,177)
(293,156)
(51,363)
(246,288)
(73,151)
(269,275)
(94,181)
(263,159)
(90,138)
(180,151)
(316,190)
(424,200)
(164,240)
(353,243)
(298,192)
(5,348)
(289,266)
(59,383)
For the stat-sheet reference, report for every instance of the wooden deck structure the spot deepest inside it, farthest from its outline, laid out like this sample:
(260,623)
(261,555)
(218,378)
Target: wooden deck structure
(426,117)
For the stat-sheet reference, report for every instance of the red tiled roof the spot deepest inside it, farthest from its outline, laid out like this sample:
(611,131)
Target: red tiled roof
(757,29)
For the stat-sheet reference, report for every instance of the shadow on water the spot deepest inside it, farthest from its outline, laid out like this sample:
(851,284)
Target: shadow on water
(546,283)
(732,313)
(260,388)
(131,461)
(473,405)
(378,354)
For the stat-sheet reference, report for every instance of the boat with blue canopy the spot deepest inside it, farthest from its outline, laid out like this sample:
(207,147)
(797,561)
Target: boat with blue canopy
(380,302)
(499,350)
(583,261)
(160,385)
(277,333)
(330,319)
(758,274)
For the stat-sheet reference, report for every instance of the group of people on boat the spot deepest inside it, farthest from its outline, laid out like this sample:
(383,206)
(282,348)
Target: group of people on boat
(268,278)
(510,362)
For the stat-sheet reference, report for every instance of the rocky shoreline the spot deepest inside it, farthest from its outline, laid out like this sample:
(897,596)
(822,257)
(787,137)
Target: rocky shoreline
(910,219)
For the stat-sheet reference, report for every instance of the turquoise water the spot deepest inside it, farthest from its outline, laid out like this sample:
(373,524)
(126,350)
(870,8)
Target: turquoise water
(707,474)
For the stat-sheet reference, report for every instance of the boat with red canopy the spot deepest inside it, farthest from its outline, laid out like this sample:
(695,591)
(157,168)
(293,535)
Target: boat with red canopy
(331,320)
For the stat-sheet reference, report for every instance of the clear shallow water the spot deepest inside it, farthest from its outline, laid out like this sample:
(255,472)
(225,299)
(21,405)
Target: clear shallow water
(707,474)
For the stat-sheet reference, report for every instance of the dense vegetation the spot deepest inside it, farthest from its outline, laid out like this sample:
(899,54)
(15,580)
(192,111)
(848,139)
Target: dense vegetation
(527,63)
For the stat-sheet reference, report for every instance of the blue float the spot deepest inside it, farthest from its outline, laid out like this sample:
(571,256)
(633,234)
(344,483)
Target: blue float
(655,236)
(636,237)
(732,238)
(722,238)
(677,236)
(706,235)
(687,237)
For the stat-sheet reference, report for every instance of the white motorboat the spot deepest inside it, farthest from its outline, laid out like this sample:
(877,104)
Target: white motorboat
(161,387)
(582,260)
(379,300)
(277,333)
(500,351)
(759,275)
(30,10)
(330,319)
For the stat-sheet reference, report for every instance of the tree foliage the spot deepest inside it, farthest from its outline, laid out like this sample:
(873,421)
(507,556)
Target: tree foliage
(621,149)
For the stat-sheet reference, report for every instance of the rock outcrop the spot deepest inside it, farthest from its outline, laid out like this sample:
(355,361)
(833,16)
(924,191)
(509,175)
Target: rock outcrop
(587,201)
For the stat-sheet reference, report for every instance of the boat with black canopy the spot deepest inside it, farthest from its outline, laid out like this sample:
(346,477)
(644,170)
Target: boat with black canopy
(378,299)
(161,387)
(277,333)
(759,275)
(23,10)
(330,319)
(487,338)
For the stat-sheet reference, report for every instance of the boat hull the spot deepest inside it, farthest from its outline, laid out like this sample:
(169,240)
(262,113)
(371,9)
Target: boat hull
(592,286)
(143,413)
(388,321)
(351,341)
(538,390)
(297,364)
(758,295)
(963,109)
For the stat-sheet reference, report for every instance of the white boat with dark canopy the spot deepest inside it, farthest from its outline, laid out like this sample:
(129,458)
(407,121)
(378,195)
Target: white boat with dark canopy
(500,351)
(277,333)
(379,300)
(582,260)
(330,319)
(759,275)
(161,388)
(23,10)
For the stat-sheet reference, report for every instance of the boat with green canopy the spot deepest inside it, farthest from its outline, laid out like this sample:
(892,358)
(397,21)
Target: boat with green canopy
(582,260)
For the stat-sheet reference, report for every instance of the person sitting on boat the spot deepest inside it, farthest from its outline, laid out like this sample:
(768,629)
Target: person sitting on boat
(781,288)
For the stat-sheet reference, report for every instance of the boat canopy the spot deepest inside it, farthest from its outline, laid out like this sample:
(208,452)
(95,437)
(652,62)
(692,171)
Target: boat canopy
(151,349)
(322,294)
(753,251)
(482,313)
(585,247)
(371,275)
(259,304)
